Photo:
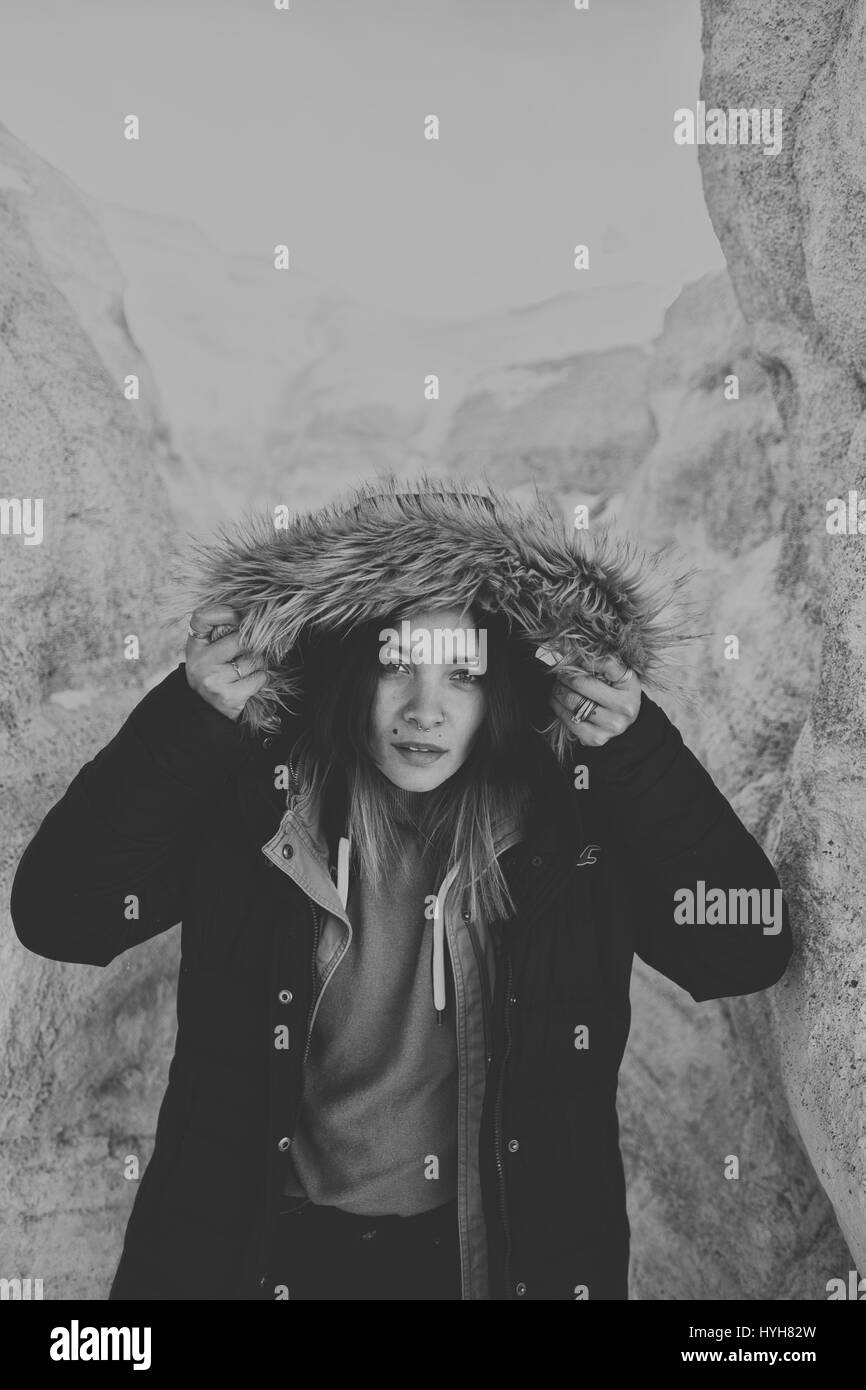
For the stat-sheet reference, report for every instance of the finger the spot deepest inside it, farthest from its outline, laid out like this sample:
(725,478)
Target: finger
(212,614)
(610,721)
(204,632)
(572,689)
(223,649)
(248,685)
(601,721)
(614,670)
(224,681)
(587,735)
(584,733)
(243,665)
(624,699)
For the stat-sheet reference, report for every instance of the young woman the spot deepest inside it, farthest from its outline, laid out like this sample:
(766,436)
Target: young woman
(413,862)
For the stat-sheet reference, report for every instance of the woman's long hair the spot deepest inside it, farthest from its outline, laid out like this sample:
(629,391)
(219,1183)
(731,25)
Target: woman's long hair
(460,818)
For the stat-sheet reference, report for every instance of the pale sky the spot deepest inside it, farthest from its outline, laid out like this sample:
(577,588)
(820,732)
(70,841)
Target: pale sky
(306,127)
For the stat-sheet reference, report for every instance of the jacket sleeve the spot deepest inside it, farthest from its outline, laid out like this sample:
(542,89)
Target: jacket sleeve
(120,839)
(675,828)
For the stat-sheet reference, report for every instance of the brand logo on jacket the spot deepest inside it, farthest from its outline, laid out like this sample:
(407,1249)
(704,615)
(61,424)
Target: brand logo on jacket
(587,855)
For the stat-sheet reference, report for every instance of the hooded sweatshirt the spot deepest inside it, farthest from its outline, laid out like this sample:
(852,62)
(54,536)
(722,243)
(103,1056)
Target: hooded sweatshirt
(377,1127)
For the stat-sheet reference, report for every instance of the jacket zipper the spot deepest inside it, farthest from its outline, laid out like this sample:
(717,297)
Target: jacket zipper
(497,1121)
(316,993)
(319,989)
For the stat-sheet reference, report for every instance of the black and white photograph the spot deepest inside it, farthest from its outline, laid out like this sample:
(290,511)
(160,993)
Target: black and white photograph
(433,664)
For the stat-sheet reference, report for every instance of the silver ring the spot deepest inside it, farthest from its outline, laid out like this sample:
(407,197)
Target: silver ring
(623,678)
(584,710)
(199,636)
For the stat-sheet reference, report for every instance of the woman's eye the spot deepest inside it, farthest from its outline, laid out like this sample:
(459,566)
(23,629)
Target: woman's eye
(461,677)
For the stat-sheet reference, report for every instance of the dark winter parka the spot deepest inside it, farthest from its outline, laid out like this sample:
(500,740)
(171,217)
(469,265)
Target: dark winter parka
(187,811)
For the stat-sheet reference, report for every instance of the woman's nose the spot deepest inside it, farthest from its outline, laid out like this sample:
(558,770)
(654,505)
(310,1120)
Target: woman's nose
(423,710)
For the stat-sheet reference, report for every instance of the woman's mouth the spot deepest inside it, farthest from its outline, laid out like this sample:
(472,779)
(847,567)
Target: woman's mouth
(419,754)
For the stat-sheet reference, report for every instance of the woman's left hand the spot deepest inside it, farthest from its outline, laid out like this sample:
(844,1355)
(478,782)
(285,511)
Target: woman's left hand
(617,704)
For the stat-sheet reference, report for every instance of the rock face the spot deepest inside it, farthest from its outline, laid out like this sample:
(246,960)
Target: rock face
(583,419)
(792,230)
(85,1051)
(702,1084)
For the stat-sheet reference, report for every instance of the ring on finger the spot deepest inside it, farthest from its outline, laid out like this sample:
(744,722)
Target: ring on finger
(584,710)
(623,678)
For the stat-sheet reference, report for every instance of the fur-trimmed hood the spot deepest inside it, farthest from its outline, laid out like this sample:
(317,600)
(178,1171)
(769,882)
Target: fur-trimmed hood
(437,543)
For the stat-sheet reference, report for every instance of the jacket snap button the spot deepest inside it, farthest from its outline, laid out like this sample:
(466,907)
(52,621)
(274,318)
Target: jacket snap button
(268,741)
(520,1289)
(537,861)
(288,851)
(284,1144)
(513,1146)
(466,916)
(285,996)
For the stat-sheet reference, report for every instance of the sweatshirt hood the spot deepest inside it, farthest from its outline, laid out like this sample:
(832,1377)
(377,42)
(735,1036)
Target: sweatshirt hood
(438,543)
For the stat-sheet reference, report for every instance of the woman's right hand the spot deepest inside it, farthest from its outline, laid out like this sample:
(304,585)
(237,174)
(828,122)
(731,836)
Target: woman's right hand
(219,671)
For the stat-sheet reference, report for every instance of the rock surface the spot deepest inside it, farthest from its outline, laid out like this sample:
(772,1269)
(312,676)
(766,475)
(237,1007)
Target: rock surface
(85,1051)
(704,1082)
(792,230)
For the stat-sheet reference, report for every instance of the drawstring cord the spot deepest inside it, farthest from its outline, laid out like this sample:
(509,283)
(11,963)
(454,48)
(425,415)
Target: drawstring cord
(344,851)
(439,944)
(344,854)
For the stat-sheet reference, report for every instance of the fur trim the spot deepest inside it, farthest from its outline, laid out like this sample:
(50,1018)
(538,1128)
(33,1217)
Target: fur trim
(439,543)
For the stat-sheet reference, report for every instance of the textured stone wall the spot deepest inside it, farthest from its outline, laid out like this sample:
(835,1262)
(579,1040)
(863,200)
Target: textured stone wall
(84,1051)
(793,230)
(701,1082)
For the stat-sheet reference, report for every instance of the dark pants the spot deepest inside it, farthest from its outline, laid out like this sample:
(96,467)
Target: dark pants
(321,1252)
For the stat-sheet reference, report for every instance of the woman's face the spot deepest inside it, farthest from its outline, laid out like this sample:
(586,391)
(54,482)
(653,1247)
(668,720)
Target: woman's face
(430,701)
